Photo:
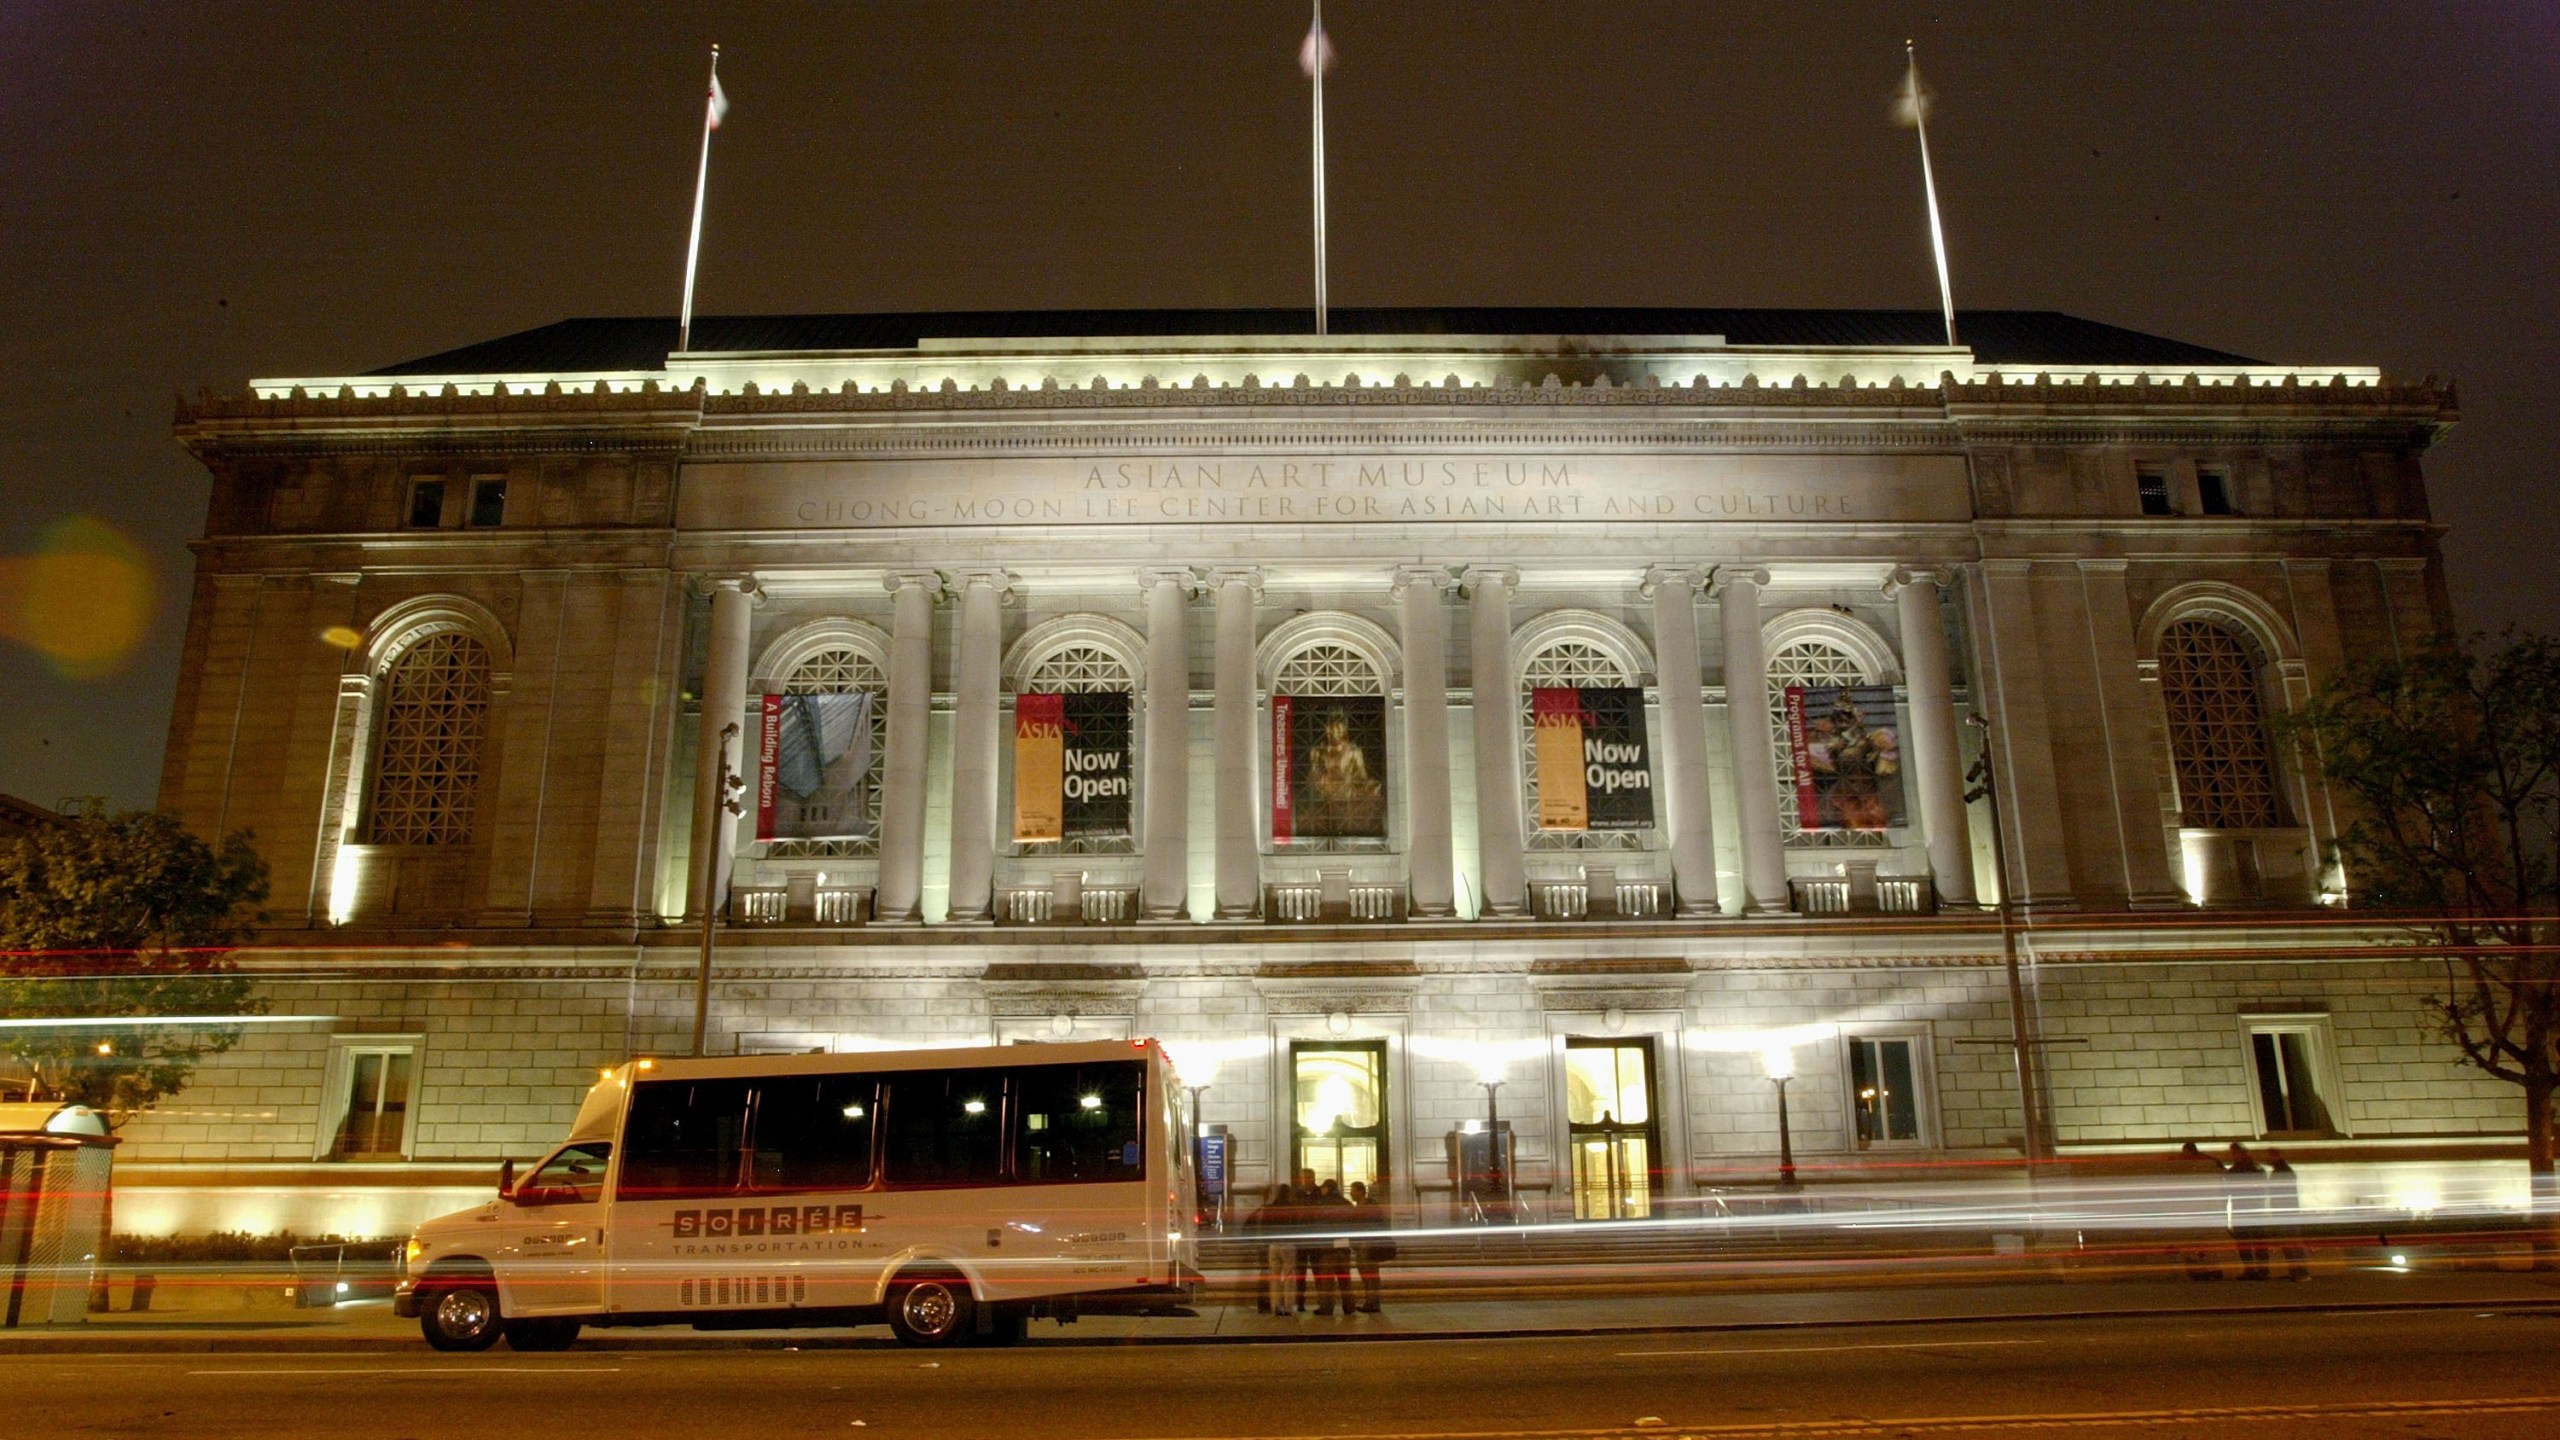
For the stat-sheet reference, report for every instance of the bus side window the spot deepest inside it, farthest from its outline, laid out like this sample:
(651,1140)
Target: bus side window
(813,1132)
(944,1128)
(1079,1123)
(684,1139)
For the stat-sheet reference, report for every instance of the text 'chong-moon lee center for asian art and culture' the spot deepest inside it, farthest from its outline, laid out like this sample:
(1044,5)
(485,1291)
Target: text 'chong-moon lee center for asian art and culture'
(1580,700)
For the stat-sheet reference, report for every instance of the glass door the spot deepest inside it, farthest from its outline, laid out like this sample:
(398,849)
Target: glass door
(1340,1090)
(1609,1121)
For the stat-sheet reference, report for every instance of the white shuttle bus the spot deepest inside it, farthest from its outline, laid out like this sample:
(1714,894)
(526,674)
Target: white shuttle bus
(955,1194)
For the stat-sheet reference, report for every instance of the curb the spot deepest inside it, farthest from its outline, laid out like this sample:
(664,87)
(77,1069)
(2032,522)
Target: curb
(835,1339)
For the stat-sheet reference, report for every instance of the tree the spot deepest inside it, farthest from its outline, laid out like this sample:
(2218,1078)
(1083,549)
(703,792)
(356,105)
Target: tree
(2451,758)
(119,922)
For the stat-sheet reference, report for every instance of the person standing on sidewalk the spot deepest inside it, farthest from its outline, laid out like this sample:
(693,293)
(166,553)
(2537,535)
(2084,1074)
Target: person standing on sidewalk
(2284,1212)
(1331,1217)
(1268,1229)
(2244,1185)
(1369,1254)
(2197,1203)
(1305,1257)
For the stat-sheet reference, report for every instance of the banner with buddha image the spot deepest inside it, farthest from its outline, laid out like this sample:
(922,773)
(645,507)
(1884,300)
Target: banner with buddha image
(1328,767)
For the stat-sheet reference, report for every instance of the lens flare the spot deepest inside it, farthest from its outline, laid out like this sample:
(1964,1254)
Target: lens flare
(345,637)
(83,600)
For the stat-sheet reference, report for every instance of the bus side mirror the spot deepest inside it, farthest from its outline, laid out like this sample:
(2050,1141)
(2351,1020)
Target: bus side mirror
(507,1177)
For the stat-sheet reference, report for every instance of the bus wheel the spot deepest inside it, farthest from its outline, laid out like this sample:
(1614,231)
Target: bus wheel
(531,1335)
(930,1309)
(461,1314)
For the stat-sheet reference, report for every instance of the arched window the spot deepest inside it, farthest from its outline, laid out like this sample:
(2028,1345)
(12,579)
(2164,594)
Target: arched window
(1814,663)
(843,670)
(2209,684)
(1567,664)
(1345,745)
(1080,668)
(435,713)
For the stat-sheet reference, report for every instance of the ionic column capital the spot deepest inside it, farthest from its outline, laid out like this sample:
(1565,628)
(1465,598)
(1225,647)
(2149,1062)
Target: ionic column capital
(1691,577)
(1154,575)
(1939,577)
(1474,576)
(1249,576)
(929,581)
(1435,576)
(1728,576)
(707,585)
(997,576)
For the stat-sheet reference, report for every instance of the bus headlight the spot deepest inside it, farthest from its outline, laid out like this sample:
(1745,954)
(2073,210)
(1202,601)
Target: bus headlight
(409,1254)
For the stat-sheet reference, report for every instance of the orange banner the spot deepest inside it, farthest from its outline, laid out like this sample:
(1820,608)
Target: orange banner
(1039,767)
(1556,717)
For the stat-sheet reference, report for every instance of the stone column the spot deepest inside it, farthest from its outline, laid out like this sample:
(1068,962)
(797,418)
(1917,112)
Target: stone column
(900,896)
(1164,882)
(974,734)
(724,703)
(1937,769)
(1430,876)
(1499,836)
(1746,709)
(1239,824)
(1692,818)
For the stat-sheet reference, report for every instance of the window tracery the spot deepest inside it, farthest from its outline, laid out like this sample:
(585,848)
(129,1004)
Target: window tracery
(2209,685)
(842,670)
(435,709)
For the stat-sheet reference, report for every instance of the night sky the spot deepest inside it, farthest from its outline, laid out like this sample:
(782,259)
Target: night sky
(196,194)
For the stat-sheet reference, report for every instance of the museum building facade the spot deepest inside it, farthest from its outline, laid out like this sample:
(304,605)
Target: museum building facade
(1574,717)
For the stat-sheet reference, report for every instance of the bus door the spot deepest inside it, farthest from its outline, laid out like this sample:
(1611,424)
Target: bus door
(1080,1141)
(554,1251)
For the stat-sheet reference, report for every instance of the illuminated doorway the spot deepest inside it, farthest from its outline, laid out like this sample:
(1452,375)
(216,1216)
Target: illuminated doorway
(1340,1093)
(1609,1121)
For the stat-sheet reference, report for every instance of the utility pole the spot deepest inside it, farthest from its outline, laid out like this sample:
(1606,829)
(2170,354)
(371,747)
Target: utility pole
(734,802)
(2022,1038)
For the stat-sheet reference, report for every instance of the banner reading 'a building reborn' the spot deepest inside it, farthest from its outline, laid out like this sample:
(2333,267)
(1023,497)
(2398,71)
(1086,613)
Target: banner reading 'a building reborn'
(813,767)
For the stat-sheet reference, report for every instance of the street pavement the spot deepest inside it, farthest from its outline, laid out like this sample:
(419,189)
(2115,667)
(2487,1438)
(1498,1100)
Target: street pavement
(2483,1369)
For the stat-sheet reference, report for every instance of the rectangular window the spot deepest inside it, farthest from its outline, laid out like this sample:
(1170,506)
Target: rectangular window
(2213,492)
(426,504)
(683,1138)
(373,1089)
(1075,1124)
(2153,482)
(489,501)
(813,1132)
(1884,1088)
(944,1129)
(2288,1066)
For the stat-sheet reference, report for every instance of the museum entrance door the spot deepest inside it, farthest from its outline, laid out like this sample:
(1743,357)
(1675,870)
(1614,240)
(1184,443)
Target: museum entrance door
(1341,1110)
(1609,1122)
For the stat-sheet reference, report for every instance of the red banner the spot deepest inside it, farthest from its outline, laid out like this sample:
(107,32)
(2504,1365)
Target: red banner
(768,748)
(1282,826)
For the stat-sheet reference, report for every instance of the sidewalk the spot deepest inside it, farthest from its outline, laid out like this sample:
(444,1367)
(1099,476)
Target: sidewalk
(1412,1312)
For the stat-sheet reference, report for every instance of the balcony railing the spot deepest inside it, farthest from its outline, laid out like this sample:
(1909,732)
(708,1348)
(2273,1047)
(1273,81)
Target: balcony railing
(1858,890)
(773,905)
(1599,895)
(1045,905)
(1332,898)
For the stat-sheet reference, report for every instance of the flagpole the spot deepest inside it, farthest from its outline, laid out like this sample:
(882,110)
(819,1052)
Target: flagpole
(1929,184)
(701,181)
(1316,39)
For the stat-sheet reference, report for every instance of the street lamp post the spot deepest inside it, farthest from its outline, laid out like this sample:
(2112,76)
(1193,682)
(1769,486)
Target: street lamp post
(1781,1061)
(1497,1172)
(2022,1038)
(733,802)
